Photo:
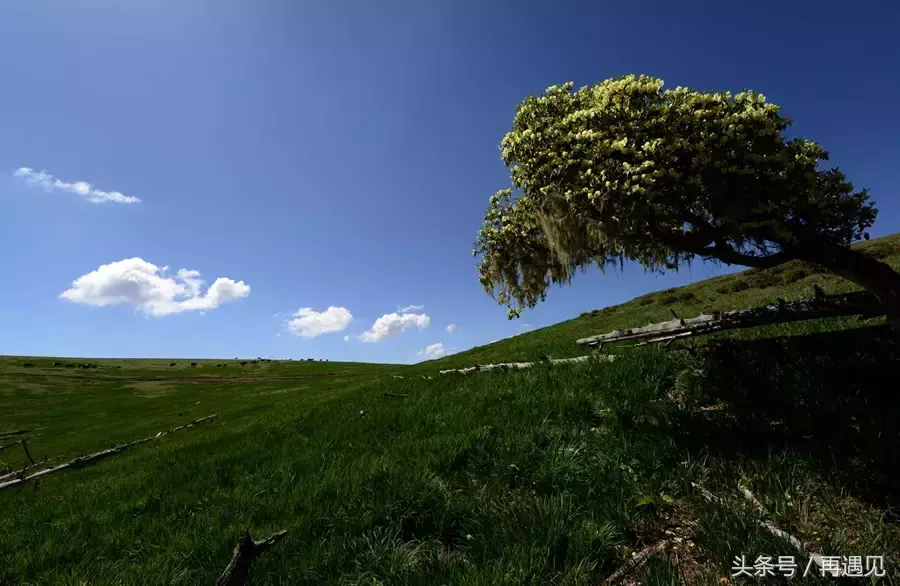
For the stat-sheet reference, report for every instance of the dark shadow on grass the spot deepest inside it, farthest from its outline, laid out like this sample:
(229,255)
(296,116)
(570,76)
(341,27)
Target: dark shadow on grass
(832,396)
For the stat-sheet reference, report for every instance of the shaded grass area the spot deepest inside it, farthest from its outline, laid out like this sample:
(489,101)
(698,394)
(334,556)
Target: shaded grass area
(830,395)
(546,476)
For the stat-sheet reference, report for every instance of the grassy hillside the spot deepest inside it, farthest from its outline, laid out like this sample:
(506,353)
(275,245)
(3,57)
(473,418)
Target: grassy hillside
(749,288)
(552,475)
(73,411)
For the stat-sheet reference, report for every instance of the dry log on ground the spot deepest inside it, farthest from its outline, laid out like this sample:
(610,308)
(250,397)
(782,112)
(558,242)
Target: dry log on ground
(637,561)
(91,458)
(21,473)
(7,446)
(518,365)
(17,432)
(245,552)
(768,524)
(802,309)
(774,530)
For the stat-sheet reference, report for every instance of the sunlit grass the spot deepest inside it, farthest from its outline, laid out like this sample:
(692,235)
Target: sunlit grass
(551,475)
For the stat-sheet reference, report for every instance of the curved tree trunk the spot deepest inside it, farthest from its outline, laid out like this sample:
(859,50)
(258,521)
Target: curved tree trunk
(868,272)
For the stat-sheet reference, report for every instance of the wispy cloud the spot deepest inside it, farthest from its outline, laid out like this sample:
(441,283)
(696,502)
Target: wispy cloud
(392,324)
(81,188)
(410,308)
(451,328)
(148,287)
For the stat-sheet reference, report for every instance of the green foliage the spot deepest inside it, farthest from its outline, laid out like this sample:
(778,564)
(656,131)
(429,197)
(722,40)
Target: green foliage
(795,274)
(883,250)
(686,297)
(732,287)
(763,280)
(666,300)
(626,170)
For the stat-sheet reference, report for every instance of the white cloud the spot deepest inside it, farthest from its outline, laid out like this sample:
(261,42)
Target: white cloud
(346,338)
(82,188)
(137,282)
(392,324)
(410,308)
(435,351)
(308,323)
(451,328)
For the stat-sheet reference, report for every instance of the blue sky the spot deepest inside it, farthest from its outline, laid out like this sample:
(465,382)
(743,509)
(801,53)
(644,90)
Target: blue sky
(341,154)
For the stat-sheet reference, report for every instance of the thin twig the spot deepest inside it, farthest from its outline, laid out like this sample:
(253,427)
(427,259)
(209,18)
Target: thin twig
(7,446)
(27,453)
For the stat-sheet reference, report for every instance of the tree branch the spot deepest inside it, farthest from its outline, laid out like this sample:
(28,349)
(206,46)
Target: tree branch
(245,552)
(728,255)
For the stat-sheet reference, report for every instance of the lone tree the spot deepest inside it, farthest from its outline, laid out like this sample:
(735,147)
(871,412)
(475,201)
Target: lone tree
(625,170)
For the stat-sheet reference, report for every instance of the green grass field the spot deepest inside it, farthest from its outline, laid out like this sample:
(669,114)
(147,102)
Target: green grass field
(554,475)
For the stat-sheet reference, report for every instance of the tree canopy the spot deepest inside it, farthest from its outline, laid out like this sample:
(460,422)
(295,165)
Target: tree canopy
(625,170)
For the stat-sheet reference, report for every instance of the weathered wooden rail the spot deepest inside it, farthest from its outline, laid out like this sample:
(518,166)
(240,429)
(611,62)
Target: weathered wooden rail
(21,478)
(521,365)
(860,303)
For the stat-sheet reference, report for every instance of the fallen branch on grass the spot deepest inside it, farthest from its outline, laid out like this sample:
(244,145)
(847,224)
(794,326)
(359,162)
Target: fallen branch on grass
(245,552)
(91,458)
(519,365)
(637,561)
(769,525)
(395,395)
(802,309)
(7,446)
(21,473)
(18,432)
(27,453)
